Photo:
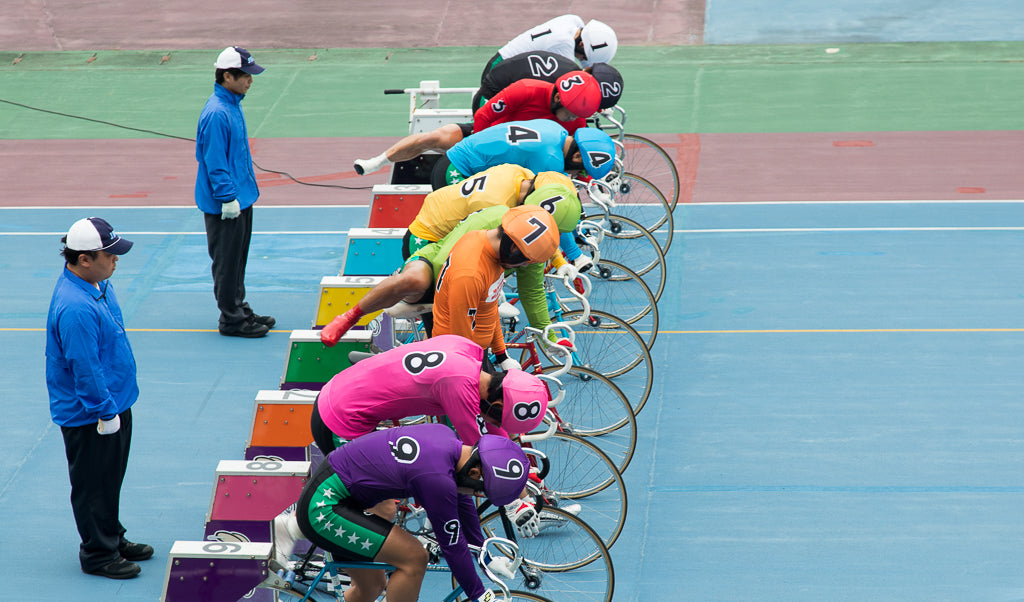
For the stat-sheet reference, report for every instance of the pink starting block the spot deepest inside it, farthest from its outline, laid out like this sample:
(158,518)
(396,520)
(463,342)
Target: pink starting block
(248,494)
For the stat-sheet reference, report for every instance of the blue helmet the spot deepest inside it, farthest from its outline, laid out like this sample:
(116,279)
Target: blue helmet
(596,150)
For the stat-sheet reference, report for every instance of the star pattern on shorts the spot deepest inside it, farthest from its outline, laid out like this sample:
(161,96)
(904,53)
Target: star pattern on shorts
(353,538)
(366,544)
(328,493)
(321,517)
(321,504)
(339,531)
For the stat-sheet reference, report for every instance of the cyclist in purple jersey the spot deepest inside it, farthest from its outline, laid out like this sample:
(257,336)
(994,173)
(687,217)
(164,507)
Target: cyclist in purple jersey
(427,462)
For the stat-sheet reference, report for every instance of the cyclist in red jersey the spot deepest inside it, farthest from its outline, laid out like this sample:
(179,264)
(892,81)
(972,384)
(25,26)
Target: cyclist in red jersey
(569,101)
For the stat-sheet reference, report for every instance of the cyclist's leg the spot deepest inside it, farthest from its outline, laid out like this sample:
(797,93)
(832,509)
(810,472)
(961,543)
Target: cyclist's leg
(404,552)
(412,146)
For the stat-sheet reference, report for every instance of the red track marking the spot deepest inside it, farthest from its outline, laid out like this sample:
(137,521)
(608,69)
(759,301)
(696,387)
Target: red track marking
(970,190)
(852,143)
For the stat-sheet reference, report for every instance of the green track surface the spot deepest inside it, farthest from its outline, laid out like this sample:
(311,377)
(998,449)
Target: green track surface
(703,89)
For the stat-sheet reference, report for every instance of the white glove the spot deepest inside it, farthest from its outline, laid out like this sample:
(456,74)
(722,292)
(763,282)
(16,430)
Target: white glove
(600,195)
(524,516)
(500,566)
(230,210)
(109,427)
(487,596)
(510,363)
(583,263)
(567,270)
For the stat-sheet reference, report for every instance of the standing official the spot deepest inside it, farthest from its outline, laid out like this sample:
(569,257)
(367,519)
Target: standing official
(226,190)
(90,375)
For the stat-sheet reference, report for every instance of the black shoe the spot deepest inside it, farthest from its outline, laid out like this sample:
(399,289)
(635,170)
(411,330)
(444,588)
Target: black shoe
(118,569)
(247,329)
(267,321)
(135,551)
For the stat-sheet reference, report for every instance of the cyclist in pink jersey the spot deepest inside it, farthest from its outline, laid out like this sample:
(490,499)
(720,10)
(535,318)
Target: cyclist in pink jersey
(440,376)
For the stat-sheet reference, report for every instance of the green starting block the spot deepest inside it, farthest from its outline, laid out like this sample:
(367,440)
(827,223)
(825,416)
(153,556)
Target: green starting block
(310,363)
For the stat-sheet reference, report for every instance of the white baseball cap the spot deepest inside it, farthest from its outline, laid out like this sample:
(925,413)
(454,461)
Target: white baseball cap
(95,234)
(236,57)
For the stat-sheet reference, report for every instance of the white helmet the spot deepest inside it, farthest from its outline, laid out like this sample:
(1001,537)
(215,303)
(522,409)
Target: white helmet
(599,43)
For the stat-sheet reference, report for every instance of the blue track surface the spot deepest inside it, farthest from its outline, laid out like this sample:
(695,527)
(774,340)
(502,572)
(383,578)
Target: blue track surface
(835,414)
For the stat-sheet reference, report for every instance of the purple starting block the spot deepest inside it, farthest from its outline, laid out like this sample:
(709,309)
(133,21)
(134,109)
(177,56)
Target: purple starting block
(214,571)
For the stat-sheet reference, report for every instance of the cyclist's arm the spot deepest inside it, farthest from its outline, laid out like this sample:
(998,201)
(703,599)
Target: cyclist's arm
(498,109)
(452,528)
(530,280)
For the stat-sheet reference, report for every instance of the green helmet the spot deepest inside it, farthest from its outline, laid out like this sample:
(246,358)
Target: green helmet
(561,202)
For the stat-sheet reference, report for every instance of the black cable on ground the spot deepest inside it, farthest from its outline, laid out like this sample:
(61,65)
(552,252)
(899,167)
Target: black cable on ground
(164,135)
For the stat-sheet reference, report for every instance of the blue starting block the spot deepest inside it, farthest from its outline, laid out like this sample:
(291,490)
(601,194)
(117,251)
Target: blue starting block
(373,251)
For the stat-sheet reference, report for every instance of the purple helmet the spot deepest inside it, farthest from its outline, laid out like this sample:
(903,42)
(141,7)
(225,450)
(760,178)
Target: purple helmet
(524,400)
(504,466)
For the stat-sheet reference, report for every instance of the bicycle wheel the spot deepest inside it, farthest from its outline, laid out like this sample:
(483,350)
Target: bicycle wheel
(647,159)
(619,291)
(596,409)
(636,249)
(609,346)
(642,202)
(566,562)
(583,475)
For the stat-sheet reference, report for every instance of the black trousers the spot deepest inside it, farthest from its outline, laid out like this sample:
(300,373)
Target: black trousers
(227,241)
(96,465)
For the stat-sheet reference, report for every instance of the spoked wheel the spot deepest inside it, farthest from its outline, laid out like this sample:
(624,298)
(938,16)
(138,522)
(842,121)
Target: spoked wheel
(567,561)
(645,158)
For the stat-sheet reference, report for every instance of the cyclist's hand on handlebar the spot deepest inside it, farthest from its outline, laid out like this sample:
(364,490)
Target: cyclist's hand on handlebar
(487,596)
(510,364)
(567,270)
(524,516)
(500,566)
(583,263)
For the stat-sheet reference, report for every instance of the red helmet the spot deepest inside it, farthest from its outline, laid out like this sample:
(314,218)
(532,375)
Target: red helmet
(579,92)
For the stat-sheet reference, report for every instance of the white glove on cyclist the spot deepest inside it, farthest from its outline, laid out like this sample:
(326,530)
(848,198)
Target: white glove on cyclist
(583,263)
(600,195)
(109,427)
(568,270)
(524,516)
(230,210)
(487,596)
(500,566)
(510,363)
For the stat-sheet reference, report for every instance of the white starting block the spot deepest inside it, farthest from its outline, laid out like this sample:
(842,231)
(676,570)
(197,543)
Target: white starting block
(215,571)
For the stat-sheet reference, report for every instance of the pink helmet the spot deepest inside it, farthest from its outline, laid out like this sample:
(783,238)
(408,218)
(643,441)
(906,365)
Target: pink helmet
(524,401)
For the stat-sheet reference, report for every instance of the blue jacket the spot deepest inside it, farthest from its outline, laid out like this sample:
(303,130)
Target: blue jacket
(90,368)
(222,149)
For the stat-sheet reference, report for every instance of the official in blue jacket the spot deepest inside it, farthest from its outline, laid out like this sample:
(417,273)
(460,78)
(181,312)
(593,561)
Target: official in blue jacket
(90,375)
(226,190)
